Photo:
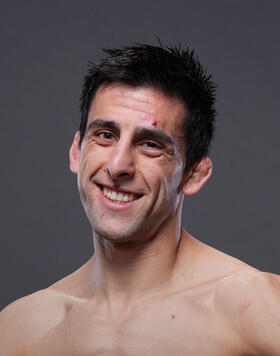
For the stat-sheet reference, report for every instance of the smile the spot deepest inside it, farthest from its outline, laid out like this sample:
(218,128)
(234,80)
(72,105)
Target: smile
(116,196)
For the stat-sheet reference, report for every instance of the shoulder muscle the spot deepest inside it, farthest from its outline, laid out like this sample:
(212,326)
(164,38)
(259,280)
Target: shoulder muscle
(251,299)
(27,320)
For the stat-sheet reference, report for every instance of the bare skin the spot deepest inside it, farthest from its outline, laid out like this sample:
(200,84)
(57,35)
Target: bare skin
(150,288)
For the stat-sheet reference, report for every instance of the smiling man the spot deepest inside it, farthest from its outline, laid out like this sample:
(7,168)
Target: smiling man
(150,288)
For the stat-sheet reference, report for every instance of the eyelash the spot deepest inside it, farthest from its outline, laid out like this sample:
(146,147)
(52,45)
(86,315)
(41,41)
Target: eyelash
(155,145)
(104,133)
(147,143)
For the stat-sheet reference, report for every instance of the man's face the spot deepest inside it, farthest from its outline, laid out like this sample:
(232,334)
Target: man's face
(131,162)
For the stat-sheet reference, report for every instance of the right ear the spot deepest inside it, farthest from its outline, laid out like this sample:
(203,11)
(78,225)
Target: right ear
(74,154)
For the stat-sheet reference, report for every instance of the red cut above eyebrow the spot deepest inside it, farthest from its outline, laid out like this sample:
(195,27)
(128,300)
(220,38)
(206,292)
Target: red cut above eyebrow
(155,123)
(151,119)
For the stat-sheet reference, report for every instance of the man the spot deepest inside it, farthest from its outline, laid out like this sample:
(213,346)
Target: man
(150,288)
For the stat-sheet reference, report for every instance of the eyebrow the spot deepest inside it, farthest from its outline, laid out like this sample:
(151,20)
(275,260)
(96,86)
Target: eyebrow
(100,123)
(142,132)
(156,134)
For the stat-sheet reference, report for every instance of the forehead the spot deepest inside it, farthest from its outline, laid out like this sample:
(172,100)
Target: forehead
(138,105)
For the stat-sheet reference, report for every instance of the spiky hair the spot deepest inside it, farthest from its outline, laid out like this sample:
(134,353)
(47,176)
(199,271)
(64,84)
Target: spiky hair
(175,71)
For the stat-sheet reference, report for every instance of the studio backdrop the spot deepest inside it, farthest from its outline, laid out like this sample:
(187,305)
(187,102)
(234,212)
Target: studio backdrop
(45,48)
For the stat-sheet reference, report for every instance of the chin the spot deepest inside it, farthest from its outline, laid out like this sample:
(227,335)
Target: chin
(114,235)
(132,233)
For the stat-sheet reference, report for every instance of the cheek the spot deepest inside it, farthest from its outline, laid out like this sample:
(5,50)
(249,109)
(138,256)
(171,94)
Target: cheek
(91,157)
(81,179)
(166,177)
(90,163)
(172,182)
(177,176)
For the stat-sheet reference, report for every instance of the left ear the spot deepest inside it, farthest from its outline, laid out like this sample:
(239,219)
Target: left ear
(198,176)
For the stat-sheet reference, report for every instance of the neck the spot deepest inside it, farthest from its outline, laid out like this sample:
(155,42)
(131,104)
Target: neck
(129,271)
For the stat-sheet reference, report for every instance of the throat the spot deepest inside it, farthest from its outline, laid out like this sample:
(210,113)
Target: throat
(131,270)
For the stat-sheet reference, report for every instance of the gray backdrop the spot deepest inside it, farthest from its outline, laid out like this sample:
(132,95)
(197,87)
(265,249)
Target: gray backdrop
(45,46)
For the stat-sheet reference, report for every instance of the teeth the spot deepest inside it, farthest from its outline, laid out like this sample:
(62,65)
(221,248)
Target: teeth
(121,197)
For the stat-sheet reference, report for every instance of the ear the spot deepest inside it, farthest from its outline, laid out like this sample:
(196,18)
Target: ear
(74,154)
(198,176)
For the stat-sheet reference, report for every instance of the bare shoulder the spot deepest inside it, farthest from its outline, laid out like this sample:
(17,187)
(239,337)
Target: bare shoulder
(246,299)
(250,301)
(28,319)
(247,284)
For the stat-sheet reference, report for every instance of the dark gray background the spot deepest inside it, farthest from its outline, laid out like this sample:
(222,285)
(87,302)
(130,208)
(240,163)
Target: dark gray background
(45,46)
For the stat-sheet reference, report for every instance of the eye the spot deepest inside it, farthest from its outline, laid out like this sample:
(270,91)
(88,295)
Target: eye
(151,148)
(151,144)
(104,135)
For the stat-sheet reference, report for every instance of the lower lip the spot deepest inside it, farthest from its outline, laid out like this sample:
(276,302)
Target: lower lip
(112,205)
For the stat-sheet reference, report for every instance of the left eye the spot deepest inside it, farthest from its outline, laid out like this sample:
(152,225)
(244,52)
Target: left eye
(151,144)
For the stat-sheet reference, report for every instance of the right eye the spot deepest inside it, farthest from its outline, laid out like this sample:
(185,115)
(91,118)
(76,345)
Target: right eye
(105,135)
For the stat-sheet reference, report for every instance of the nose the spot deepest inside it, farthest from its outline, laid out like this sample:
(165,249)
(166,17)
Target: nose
(121,163)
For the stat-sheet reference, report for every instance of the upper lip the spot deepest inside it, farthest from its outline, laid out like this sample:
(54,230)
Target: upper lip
(117,189)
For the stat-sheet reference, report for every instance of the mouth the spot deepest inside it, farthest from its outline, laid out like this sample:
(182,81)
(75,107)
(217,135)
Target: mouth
(117,196)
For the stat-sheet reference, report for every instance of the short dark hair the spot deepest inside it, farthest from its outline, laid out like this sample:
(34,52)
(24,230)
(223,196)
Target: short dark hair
(174,71)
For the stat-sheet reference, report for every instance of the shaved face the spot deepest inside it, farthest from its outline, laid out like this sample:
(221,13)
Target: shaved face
(132,162)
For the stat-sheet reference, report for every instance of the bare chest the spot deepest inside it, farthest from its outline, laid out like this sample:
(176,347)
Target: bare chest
(173,326)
